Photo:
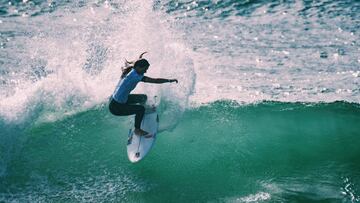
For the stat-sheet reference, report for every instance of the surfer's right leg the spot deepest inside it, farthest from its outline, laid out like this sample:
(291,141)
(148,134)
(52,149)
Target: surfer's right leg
(137,99)
(141,99)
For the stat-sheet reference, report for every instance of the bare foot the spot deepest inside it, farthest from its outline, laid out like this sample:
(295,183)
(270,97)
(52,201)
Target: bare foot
(140,132)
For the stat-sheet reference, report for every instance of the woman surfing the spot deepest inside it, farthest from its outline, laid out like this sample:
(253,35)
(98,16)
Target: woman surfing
(122,103)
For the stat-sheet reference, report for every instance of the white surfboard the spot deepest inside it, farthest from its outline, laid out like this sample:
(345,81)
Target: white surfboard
(139,146)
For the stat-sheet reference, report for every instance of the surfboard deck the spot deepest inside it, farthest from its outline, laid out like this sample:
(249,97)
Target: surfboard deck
(139,146)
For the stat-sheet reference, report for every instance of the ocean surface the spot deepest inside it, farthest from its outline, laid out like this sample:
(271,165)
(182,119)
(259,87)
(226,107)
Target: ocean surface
(267,108)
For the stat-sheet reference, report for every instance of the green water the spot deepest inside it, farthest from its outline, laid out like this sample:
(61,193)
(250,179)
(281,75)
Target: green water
(223,152)
(65,56)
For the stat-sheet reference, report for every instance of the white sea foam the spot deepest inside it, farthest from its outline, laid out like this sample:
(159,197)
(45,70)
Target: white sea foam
(69,61)
(258,197)
(77,63)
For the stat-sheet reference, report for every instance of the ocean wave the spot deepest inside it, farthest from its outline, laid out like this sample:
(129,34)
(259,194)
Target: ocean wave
(288,151)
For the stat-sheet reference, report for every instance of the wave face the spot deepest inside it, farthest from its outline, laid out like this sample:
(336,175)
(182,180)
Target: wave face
(224,152)
(266,109)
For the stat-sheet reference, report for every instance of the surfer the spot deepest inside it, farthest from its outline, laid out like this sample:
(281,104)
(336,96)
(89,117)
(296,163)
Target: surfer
(122,103)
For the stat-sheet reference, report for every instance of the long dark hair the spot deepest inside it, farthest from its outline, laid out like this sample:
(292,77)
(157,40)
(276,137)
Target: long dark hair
(129,65)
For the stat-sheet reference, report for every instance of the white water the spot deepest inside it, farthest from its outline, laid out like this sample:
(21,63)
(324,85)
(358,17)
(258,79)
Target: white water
(70,60)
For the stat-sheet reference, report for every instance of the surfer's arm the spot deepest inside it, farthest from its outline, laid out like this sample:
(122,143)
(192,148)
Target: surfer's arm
(157,80)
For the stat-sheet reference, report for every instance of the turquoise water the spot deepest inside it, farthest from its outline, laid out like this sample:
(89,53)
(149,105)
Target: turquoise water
(221,152)
(266,109)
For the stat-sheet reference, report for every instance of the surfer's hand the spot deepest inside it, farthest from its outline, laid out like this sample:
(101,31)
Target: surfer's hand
(173,80)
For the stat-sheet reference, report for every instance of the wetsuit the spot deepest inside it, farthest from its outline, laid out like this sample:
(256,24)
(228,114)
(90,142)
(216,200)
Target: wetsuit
(122,103)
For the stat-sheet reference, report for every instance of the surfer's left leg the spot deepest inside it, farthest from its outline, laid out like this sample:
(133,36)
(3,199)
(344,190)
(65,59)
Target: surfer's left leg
(141,99)
(126,110)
